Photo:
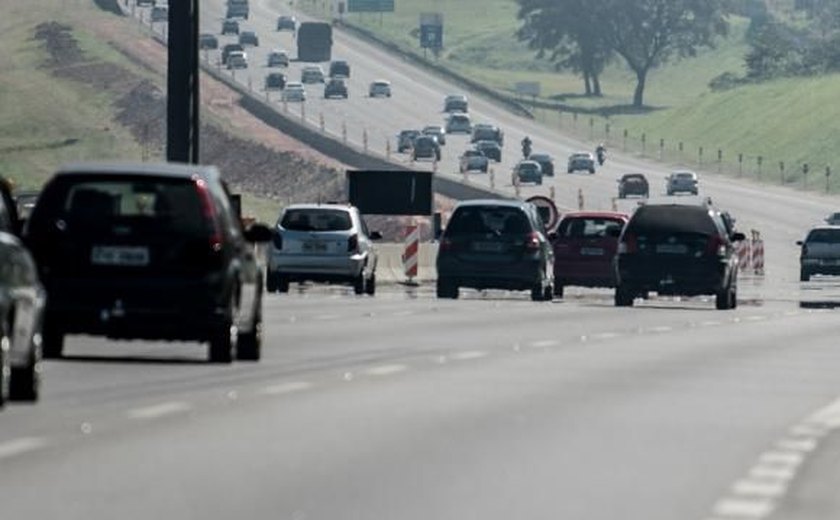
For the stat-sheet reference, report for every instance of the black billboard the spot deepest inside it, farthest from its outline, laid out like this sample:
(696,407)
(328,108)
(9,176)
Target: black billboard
(391,192)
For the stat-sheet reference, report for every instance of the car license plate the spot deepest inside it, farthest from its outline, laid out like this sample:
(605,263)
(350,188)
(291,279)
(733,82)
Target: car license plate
(119,255)
(487,247)
(672,249)
(591,251)
(315,247)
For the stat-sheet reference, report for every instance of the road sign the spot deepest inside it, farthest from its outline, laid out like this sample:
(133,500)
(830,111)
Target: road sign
(431,30)
(391,192)
(370,6)
(548,210)
(528,88)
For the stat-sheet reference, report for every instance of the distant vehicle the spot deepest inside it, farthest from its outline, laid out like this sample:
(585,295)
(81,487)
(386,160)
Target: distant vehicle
(339,68)
(527,171)
(473,160)
(584,161)
(380,88)
(681,182)
(425,147)
(495,244)
(287,23)
(405,140)
(546,163)
(633,184)
(312,74)
(207,41)
(820,252)
(436,131)
(336,87)
(314,42)
(230,27)
(491,149)
(294,91)
(485,132)
(231,48)
(677,249)
(237,60)
(148,251)
(585,245)
(278,58)
(275,81)
(22,301)
(25,202)
(458,123)
(455,103)
(237,10)
(160,13)
(249,38)
(145,3)
(833,219)
(322,243)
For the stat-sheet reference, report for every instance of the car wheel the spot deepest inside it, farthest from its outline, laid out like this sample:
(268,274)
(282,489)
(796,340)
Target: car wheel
(224,340)
(623,297)
(558,289)
(569,171)
(249,346)
(592,171)
(370,288)
(804,276)
(539,182)
(538,291)
(271,282)
(52,342)
(283,283)
(447,289)
(733,295)
(359,283)
(548,293)
(723,298)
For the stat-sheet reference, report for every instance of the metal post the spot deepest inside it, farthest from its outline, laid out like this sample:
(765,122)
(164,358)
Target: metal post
(580,199)
(607,132)
(624,145)
(827,179)
(365,143)
(183,96)
(303,112)
(551,193)
(644,144)
(321,122)
(740,164)
(805,170)
(388,149)
(681,150)
(591,128)
(700,156)
(781,172)
(492,179)
(720,160)
(574,120)
(661,149)
(759,160)
(344,132)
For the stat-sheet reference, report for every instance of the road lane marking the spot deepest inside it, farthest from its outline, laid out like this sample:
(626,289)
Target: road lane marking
(781,458)
(772,472)
(159,410)
(402,314)
(755,318)
(661,328)
(326,317)
(544,343)
(606,335)
(386,370)
(807,430)
(758,488)
(468,355)
(804,445)
(710,323)
(740,508)
(285,388)
(20,446)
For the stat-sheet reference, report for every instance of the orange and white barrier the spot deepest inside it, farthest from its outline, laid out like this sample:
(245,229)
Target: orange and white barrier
(744,250)
(410,256)
(758,255)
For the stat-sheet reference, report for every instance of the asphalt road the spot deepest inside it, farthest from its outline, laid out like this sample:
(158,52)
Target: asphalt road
(492,406)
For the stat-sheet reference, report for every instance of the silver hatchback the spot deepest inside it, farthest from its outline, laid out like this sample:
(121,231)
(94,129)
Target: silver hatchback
(322,243)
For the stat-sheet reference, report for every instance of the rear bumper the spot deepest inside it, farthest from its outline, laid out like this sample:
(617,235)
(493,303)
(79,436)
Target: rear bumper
(518,276)
(821,268)
(674,277)
(316,267)
(584,273)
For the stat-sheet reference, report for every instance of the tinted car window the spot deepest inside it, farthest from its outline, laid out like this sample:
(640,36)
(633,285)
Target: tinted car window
(587,227)
(486,220)
(827,236)
(316,220)
(671,219)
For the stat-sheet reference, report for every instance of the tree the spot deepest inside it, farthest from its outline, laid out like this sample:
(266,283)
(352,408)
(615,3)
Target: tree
(647,33)
(566,32)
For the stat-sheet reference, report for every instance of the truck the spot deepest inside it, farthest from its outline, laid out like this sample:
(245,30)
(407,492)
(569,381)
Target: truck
(314,42)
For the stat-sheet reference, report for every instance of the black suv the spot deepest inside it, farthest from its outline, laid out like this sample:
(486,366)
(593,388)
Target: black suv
(340,68)
(634,184)
(491,149)
(229,48)
(147,251)
(335,87)
(425,147)
(496,244)
(676,249)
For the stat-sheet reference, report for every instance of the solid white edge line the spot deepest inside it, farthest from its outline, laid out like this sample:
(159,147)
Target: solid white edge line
(759,488)
(544,343)
(386,370)
(20,446)
(285,388)
(742,508)
(159,410)
(470,354)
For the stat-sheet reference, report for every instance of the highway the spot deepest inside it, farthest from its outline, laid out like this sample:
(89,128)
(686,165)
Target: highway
(403,406)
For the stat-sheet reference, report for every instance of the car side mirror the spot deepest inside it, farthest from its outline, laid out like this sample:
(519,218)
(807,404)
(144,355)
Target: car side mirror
(800,243)
(614,232)
(375,235)
(258,233)
(738,237)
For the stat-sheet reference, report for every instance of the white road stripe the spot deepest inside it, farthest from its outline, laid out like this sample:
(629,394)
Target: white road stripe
(807,430)
(386,370)
(19,446)
(325,317)
(804,445)
(759,488)
(781,458)
(772,472)
(285,388)
(709,323)
(738,508)
(661,328)
(159,410)
(755,318)
(544,343)
(606,335)
(470,354)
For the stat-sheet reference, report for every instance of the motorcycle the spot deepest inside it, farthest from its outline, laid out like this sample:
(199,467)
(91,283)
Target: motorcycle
(602,157)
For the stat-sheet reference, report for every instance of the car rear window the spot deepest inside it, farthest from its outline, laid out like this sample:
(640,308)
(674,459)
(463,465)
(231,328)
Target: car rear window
(498,220)
(673,219)
(685,176)
(316,220)
(587,227)
(825,236)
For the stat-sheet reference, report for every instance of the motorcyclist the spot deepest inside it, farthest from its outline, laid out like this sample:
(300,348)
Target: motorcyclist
(526,147)
(601,152)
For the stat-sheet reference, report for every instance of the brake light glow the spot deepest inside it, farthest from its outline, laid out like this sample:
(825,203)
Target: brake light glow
(209,212)
(629,244)
(533,242)
(716,246)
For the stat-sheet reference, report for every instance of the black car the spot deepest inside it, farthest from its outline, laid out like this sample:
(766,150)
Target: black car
(405,140)
(22,300)
(339,68)
(229,48)
(275,81)
(677,249)
(425,147)
(249,38)
(208,41)
(335,87)
(634,184)
(230,27)
(546,162)
(496,244)
(160,13)
(491,149)
(485,132)
(237,10)
(147,251)
(286,23)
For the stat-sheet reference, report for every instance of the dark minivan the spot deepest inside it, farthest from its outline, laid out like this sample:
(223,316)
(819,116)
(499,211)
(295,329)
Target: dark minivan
(677,249)
(147,251)
(496,244)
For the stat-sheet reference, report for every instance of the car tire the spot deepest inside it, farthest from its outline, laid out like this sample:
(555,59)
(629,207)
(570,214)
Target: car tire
(570,171)
(283,283)
(224,339)
(447,289)
(249,345)
(370,288)
(804,276)
(592,171)
(623,297)
(53,342)
(539,182)
(723,298)
(558,289)
(271,282)
(359,283)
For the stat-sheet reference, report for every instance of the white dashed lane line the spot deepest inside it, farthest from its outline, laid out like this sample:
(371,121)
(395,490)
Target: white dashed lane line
(470,354)
(159,410)
(545,343)
(20,446)
(386,370)
(285,388)
(743,508)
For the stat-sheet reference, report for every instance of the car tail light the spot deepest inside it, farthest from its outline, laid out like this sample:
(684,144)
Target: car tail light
(353,244)
(716,246)
(533,242)
(209,212)
(278,240)
(629,244)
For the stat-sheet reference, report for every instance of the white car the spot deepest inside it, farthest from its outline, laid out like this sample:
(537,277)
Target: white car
(379,88)
(322,243)
(312,74)
(294,91)
(458,123)
(237,60)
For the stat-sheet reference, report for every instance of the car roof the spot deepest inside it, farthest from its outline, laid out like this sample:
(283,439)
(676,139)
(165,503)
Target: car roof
(535,156)
(381,81)
(683,172)
(823,226)
(507,203)
(486,142)
(595,214)
(159,169)
(293,84)
(452,97)
(345,207)
(626,175)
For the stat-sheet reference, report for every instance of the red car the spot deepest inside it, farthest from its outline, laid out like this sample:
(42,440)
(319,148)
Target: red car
(584,249)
